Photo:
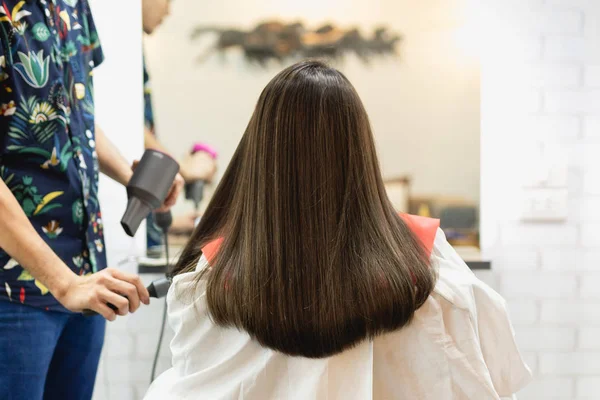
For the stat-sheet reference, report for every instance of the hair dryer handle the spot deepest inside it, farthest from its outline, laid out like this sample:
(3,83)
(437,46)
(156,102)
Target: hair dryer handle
(195,191)
(163,220)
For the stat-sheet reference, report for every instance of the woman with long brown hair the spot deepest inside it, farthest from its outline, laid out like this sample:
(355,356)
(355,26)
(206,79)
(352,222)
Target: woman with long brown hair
(302,281)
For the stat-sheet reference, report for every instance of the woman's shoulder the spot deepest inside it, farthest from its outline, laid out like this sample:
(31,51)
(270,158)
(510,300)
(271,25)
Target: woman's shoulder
(425,229)
(202,263)
(488,316)
(187,288)
(459,285)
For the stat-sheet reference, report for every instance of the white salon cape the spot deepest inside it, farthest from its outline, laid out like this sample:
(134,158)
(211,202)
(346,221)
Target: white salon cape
(460,346)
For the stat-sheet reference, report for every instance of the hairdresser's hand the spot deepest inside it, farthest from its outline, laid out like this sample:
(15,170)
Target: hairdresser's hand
(184,224)
(93,292)
(198,167)
(173,194)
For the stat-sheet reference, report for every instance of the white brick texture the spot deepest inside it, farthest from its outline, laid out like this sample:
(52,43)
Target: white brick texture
(546,338)
(547,127)
(558,76)
(591,127)
(592,76)
(549,389)
(590,260)
(517,258)
(549,272)
(570,313)
(534,285)
(590,286)
(588,387)
(528,48)
(564,48)
(532,235)
(576,4)
(523,312)
(591,182)
(563,259)
(584,155)
(547,21)
(590,235)
(573,101)
(570,363)
(571,260)
(526,101)
(586,209)
(589,338)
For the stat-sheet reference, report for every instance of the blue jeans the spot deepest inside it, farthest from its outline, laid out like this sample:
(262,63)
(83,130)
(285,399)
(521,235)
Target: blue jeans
(48,355)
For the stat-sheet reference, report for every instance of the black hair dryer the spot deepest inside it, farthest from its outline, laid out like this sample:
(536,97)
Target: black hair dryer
(148,188)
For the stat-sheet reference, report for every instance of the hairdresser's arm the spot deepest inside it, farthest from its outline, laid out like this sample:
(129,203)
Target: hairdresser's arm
(112,163)
(20,240)
(151,142)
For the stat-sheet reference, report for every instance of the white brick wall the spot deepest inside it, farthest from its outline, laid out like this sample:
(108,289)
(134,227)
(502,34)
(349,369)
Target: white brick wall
(536,338)
(564,48)
(533,285)
(589,338)
(570,363)
(585,209)
(590,284)
(550,389)
(570,312)
(523,312)
(517,258)
(573,101)
(588,388)
(591,127)
(548,272)
(559,76)
(590,260)
(532,235)
(592,76)
(546,127)
(589,235)
(591,182)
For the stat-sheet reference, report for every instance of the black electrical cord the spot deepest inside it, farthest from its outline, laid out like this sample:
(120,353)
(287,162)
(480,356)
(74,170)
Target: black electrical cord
(164,221)
(164,319)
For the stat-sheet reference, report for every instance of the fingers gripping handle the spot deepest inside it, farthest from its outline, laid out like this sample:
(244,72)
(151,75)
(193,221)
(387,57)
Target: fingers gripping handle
(157,289)
(89,313)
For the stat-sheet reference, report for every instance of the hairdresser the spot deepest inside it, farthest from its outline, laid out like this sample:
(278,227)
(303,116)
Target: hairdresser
(52,255)
(194,167)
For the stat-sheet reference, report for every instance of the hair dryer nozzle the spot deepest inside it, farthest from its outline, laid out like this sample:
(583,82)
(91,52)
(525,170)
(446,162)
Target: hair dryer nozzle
(136,212)
(195,191)
(148,188)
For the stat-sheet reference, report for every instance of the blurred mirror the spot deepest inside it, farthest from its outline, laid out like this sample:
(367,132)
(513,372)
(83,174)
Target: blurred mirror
(414,65)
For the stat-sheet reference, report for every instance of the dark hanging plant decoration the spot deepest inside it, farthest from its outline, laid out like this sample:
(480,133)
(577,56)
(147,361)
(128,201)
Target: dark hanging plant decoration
(277,41)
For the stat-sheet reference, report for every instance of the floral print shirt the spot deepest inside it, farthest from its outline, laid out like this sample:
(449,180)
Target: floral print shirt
(48,50)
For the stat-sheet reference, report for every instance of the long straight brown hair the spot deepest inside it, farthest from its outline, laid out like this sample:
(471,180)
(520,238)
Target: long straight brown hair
(314,258)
